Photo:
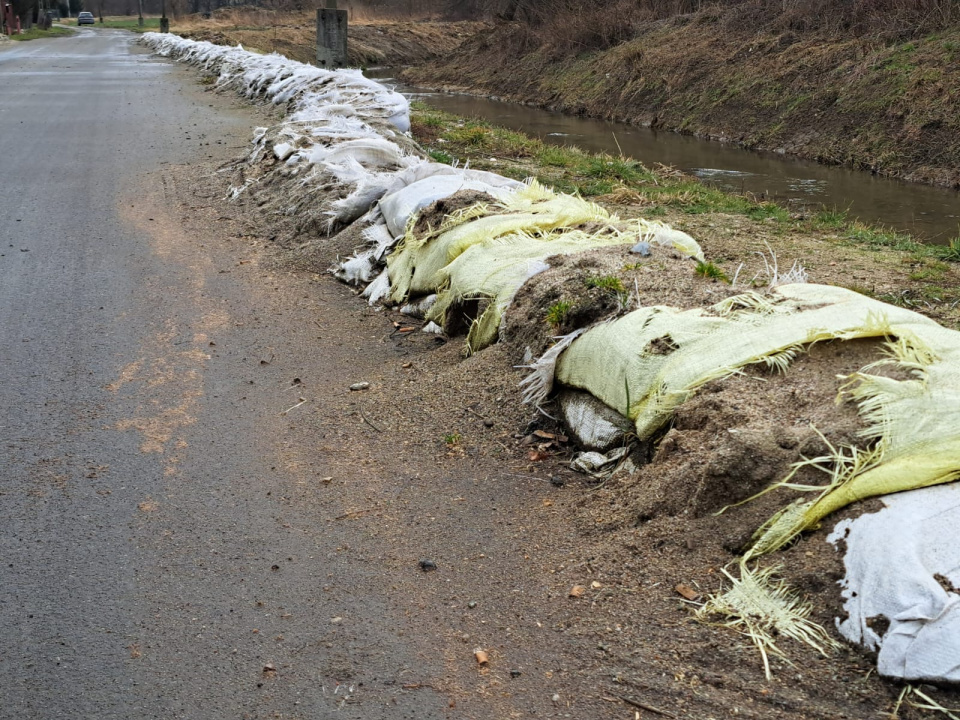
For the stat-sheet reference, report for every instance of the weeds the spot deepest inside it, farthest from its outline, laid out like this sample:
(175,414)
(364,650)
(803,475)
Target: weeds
(453,439)
(711,271)
(557,314)
(35,33)
(606,282)
(440,156)
(951,251)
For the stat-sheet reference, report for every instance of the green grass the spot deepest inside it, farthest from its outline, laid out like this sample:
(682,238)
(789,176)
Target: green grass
(611,284)
(950,251)
(440,156)
(606,282)
(38,34)
(557,313)
(711,271)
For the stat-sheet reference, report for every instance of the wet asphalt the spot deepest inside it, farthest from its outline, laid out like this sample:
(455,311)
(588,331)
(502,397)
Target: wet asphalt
(146,569)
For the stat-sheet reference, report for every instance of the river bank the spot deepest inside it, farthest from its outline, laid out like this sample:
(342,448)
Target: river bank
(888,107)
(294,35)
(732,228)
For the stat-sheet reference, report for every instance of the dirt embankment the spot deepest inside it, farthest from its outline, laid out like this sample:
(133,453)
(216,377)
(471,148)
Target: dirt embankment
(892,108)
(371,43)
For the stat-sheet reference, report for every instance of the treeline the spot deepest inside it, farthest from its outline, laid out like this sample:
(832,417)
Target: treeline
(596,25)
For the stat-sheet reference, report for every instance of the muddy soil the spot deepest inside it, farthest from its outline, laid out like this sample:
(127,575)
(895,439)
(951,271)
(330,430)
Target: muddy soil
(437,461)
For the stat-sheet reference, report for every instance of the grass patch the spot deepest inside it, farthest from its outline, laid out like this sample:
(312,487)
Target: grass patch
(611,284)
(453,439)
(35,33)
(830,220)
(606,282)
(712,272)
(950,251)
(557,313)
(440,156)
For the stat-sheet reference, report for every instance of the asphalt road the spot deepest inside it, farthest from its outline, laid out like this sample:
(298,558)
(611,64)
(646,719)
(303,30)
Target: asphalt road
(148,568)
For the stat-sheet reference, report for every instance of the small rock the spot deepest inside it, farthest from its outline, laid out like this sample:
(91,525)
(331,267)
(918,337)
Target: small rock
(577,591)
(515,673)
(557,481)
(488,423)
(427,565)
(360,386)
(555,698)
(472,604)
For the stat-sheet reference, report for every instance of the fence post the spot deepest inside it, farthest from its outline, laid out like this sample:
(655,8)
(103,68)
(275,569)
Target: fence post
(331,36)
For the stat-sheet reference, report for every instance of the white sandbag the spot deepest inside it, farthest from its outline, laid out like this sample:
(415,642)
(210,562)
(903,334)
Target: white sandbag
(595,463)
(902,564)
(593,425)
(360,268)
(379,237)
(419,308)
(378,289)
(398,207)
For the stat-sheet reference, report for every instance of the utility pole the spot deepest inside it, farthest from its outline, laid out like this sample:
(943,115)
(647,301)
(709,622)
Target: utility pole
(140,19)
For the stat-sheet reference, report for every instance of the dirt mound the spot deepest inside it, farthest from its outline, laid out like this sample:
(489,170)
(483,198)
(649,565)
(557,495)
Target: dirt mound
(579,290)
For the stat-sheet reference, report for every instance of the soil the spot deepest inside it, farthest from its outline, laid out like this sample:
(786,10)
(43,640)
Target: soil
(875,105)
(437,461)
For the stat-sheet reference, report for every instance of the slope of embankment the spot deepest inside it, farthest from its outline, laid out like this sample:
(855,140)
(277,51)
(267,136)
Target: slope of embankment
(294,35)
(888,106)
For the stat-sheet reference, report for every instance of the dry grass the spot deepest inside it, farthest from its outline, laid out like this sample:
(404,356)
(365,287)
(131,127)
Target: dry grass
(374,39)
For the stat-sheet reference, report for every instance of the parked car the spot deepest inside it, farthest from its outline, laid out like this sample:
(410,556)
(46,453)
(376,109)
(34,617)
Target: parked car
(86,18)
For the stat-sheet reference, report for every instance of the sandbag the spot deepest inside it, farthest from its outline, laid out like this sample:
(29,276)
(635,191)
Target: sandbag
(399,206)
(902,567)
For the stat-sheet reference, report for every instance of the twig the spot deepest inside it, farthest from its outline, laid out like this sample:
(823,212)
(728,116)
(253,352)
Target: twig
(648,708)
(293,407)
(618,144)
(367,420)
(355,513)
(474,412)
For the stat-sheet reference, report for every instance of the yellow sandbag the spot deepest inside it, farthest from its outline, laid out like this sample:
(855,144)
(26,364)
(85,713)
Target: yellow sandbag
(415,267)
(652,360)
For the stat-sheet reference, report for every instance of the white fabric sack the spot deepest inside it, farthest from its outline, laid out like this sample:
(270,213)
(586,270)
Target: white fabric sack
(891,562)
(399,206)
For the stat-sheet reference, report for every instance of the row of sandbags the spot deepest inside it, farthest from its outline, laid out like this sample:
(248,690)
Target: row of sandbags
(338,146)
(343,134)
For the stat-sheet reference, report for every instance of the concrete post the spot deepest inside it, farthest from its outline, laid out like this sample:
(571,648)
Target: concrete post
(331,36)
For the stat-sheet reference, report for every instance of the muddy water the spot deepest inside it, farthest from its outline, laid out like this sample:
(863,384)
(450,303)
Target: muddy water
(930,213)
